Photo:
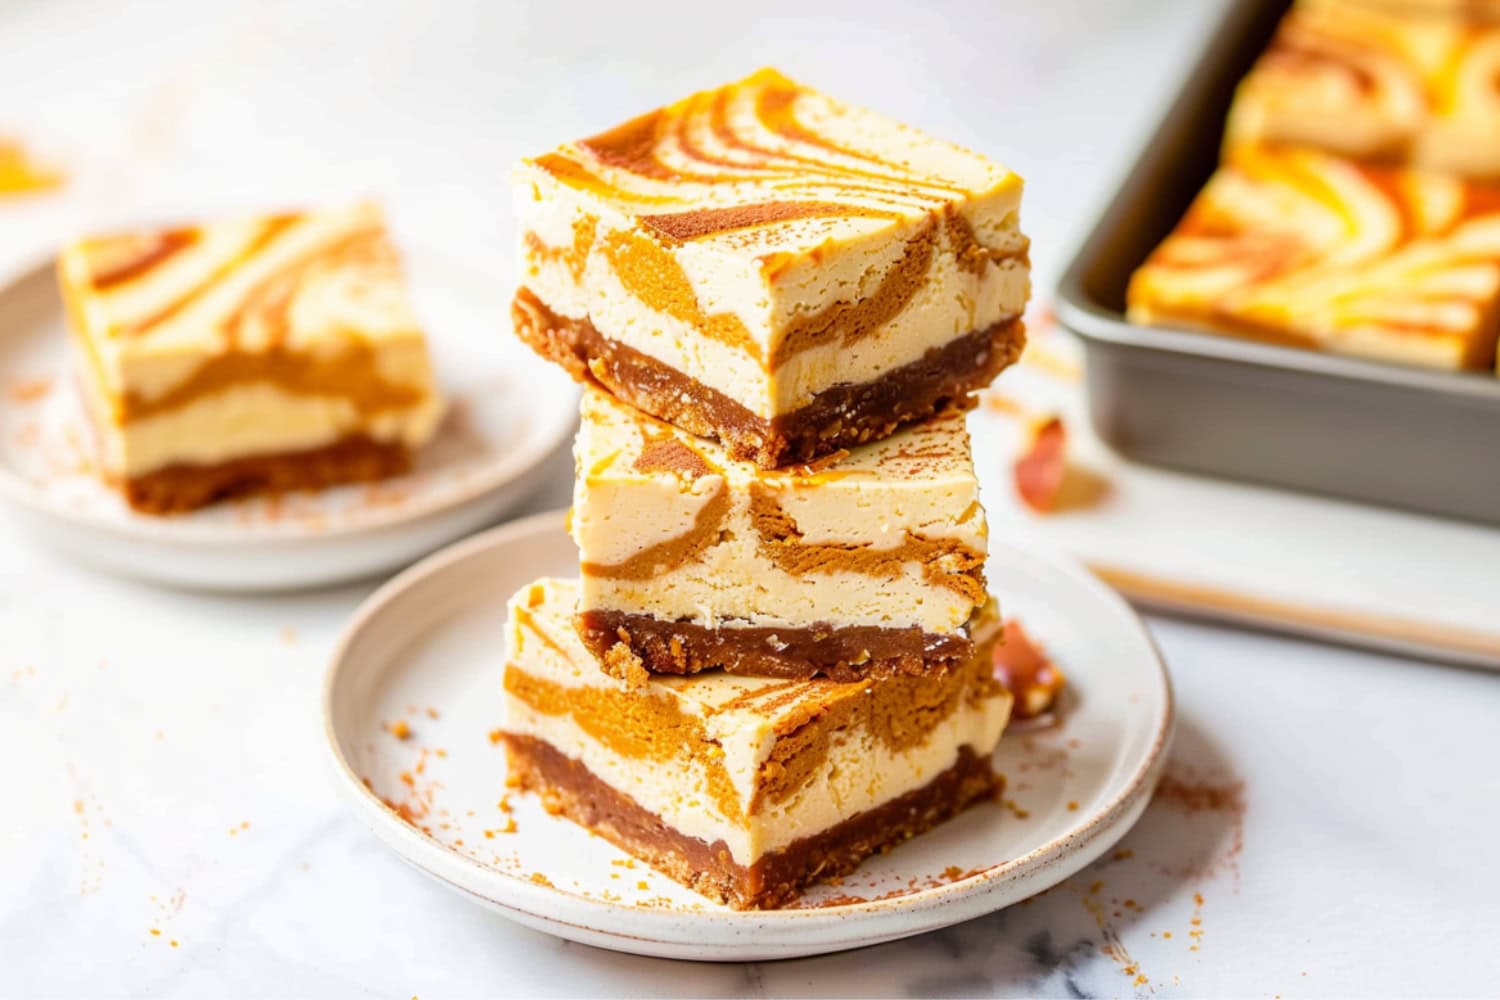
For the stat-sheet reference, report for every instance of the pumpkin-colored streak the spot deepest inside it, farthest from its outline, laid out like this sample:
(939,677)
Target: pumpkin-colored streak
(650,273)
(945,562)
(273,227)
(656,559)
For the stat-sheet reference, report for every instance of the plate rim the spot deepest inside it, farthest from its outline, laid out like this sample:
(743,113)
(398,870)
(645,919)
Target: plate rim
(509,467)
(525,897)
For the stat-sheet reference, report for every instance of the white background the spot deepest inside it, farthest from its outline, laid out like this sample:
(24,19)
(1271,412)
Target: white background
(1342,838)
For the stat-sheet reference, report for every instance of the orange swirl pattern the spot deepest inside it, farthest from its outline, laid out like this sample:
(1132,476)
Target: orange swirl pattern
(252,294)
(1398,83)
(1299,247)
(759,152)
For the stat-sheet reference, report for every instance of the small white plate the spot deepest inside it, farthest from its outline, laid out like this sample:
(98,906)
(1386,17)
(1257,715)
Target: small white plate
(510,411)
(426,650)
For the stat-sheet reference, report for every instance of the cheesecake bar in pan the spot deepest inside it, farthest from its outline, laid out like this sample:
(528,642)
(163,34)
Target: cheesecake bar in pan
(1352,425)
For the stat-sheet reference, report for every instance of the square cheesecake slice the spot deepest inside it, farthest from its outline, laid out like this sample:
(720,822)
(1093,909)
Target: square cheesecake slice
(745,789)
(771,267)
(1407,82)
(1299,247)
(257,354)
(870,563)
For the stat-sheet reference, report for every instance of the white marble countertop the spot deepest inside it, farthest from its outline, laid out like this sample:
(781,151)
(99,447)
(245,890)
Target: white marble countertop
(1329,822)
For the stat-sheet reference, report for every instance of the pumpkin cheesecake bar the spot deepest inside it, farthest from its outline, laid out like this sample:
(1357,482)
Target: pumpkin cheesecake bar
(1397,82)
(745,789)
(868,563)
(1299,247)
(768,266)
(257,354)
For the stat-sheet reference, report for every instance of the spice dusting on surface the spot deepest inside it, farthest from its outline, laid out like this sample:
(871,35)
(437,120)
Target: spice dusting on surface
(1191,793)
(399,729)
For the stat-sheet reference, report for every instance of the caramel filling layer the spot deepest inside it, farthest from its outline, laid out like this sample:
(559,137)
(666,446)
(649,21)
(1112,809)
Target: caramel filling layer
(840,652)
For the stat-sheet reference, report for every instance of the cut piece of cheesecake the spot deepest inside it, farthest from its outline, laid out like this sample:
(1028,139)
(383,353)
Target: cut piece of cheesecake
(745,789)
(767,266)
(258,354)
(869,563)
(1397,82)
(1300,247)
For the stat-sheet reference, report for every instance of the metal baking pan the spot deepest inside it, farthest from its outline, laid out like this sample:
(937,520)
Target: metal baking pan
(1426,441)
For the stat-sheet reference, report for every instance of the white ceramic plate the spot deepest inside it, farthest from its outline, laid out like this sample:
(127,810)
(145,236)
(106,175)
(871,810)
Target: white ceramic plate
(426,650)
(510,411)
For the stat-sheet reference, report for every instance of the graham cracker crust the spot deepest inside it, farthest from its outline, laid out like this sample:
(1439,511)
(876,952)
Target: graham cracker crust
(840,417)
(570,789)
(179,488)
(841,653)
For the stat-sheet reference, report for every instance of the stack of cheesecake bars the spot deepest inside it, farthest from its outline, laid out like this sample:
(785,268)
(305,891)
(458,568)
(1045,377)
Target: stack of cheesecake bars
(777,657)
